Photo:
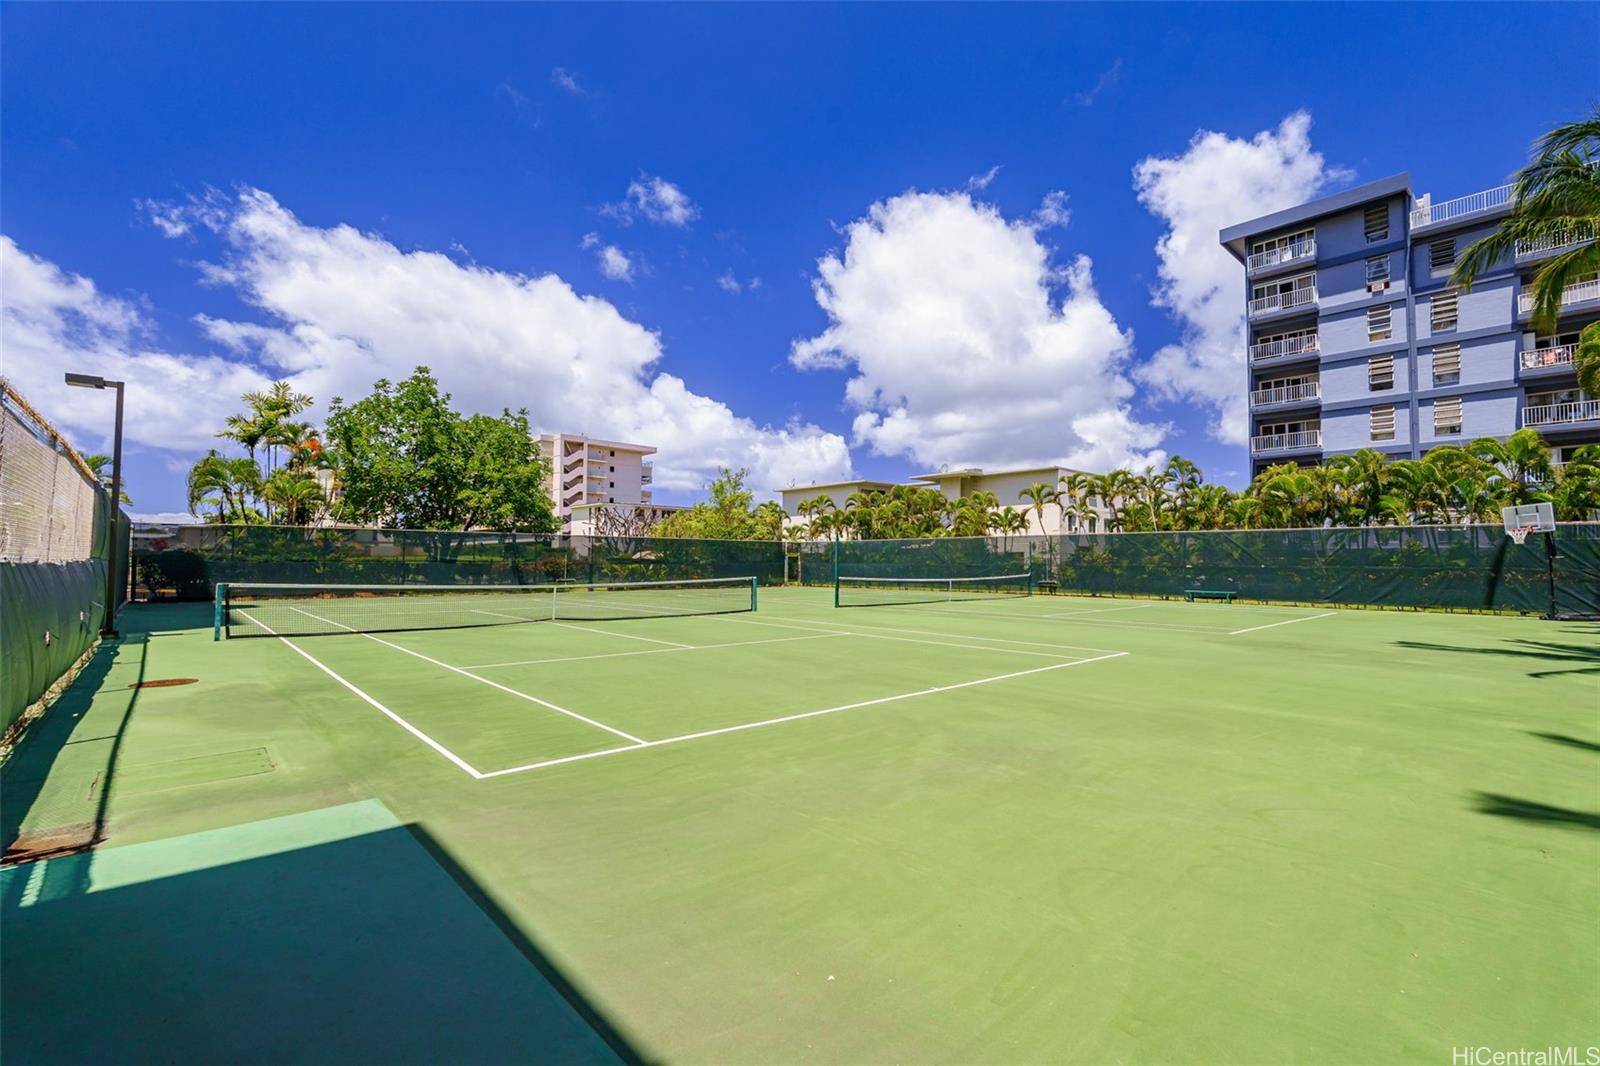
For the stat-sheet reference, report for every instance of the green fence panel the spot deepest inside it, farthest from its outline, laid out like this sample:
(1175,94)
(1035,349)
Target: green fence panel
(50,614)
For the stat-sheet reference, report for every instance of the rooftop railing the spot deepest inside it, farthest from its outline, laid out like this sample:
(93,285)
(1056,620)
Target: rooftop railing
(1426,214)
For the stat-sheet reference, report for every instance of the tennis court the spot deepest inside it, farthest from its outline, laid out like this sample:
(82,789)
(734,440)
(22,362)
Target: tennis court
(979,827)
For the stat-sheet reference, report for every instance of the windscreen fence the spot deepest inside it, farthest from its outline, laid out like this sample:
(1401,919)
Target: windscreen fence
(187,562)
(56,543)
(1454,567)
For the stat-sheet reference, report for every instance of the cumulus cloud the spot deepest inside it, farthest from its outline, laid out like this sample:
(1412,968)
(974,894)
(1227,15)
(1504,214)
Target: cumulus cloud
(1052,211)
(52,322)
(1216,182)
(339,308)
(656,199)
(959,350)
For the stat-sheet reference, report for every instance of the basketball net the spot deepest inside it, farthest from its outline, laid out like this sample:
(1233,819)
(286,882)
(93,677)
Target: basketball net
(1519,533)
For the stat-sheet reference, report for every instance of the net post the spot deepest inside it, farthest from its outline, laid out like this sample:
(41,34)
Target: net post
(836,569)
(217,610)
(753,583)
(1550,574)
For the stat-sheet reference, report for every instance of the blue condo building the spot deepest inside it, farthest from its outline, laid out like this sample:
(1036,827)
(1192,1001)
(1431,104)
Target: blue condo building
(1356,338)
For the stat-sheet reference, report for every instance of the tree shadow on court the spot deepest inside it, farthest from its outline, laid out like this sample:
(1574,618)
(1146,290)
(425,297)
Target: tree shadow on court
(1586,656)
(367,942)
(1529,811)
(1571,742)
(57,784)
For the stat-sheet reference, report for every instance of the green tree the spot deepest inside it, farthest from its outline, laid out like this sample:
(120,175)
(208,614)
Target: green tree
(1555,203)
(727,515)
(100,466)
(405,458)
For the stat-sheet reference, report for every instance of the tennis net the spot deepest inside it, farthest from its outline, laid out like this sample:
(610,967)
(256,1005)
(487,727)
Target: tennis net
(890,591)
(288,610)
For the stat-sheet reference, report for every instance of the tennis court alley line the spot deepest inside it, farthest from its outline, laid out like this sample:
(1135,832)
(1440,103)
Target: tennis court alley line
(639,742)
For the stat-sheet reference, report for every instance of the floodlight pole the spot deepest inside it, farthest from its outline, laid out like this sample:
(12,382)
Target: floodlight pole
(89,381)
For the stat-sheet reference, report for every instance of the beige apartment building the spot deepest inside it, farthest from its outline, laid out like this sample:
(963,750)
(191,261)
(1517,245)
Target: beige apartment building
(586,471)
(1007,486)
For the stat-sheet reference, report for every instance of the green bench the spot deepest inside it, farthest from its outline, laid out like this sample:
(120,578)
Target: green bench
(1190,595)
(1047,586)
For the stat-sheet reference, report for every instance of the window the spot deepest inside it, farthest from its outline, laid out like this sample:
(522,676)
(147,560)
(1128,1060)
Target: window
(611,484)
(611,470)
(1381,421)
(1377,273)
(1447,416)
(1442,255)
(1378,323)
(1442,311)
(1380,372)
(1447,364)
(1377,222)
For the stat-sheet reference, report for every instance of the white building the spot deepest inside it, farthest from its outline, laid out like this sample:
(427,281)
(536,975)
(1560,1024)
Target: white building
(585,470)
(1007,486)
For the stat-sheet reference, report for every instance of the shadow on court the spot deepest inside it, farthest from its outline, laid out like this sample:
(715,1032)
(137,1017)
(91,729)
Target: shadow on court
(340,935)
(1585,655)
(1529,811)
(58,782)
(1571,742)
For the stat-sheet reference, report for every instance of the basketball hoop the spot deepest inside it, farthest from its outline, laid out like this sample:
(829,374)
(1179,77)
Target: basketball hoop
(1519,534)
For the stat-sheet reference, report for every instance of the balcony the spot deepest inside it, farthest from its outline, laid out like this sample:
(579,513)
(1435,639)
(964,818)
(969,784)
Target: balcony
(1279,302)
(1306,344)
(1287,442)
(1285,255)
(1307,392)
(1582,292)
(1560,414)
(647,473)
(1559,242)
(1549,358)
(1424,213)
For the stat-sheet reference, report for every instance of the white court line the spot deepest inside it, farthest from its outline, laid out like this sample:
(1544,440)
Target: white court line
(962,636)
(1289,622)
(629,636)
(1166,627)
(401,722)
(652,651)
(796,717)
(480,680)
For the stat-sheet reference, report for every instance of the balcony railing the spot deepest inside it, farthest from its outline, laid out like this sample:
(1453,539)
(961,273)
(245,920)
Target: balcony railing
(1310,390)
(1284,442)
(647,473)
(1549,414)
(1572,294)
(1540,358)
(1304,344)
(1488,200)
(1284,301)
(1568,239)
(1297,252)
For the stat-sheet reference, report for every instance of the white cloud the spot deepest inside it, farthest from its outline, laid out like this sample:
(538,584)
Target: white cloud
(657,199)
(341,308)
(564,79)
(52,322)
(614,264)
(728,283)
(1217,182)
(984,180)
(1108,77)
(943,311)
(1052,211)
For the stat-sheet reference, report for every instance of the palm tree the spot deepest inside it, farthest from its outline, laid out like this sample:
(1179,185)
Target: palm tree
(1364,476)
(98,465)
(1516,465)
(1555,202)
(1038,495)
(770,518)
(297,496)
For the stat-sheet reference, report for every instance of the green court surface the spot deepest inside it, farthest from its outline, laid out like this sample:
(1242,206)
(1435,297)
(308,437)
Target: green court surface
(1037,829)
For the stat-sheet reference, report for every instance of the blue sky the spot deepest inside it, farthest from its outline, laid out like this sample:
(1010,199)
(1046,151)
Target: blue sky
(834,235)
